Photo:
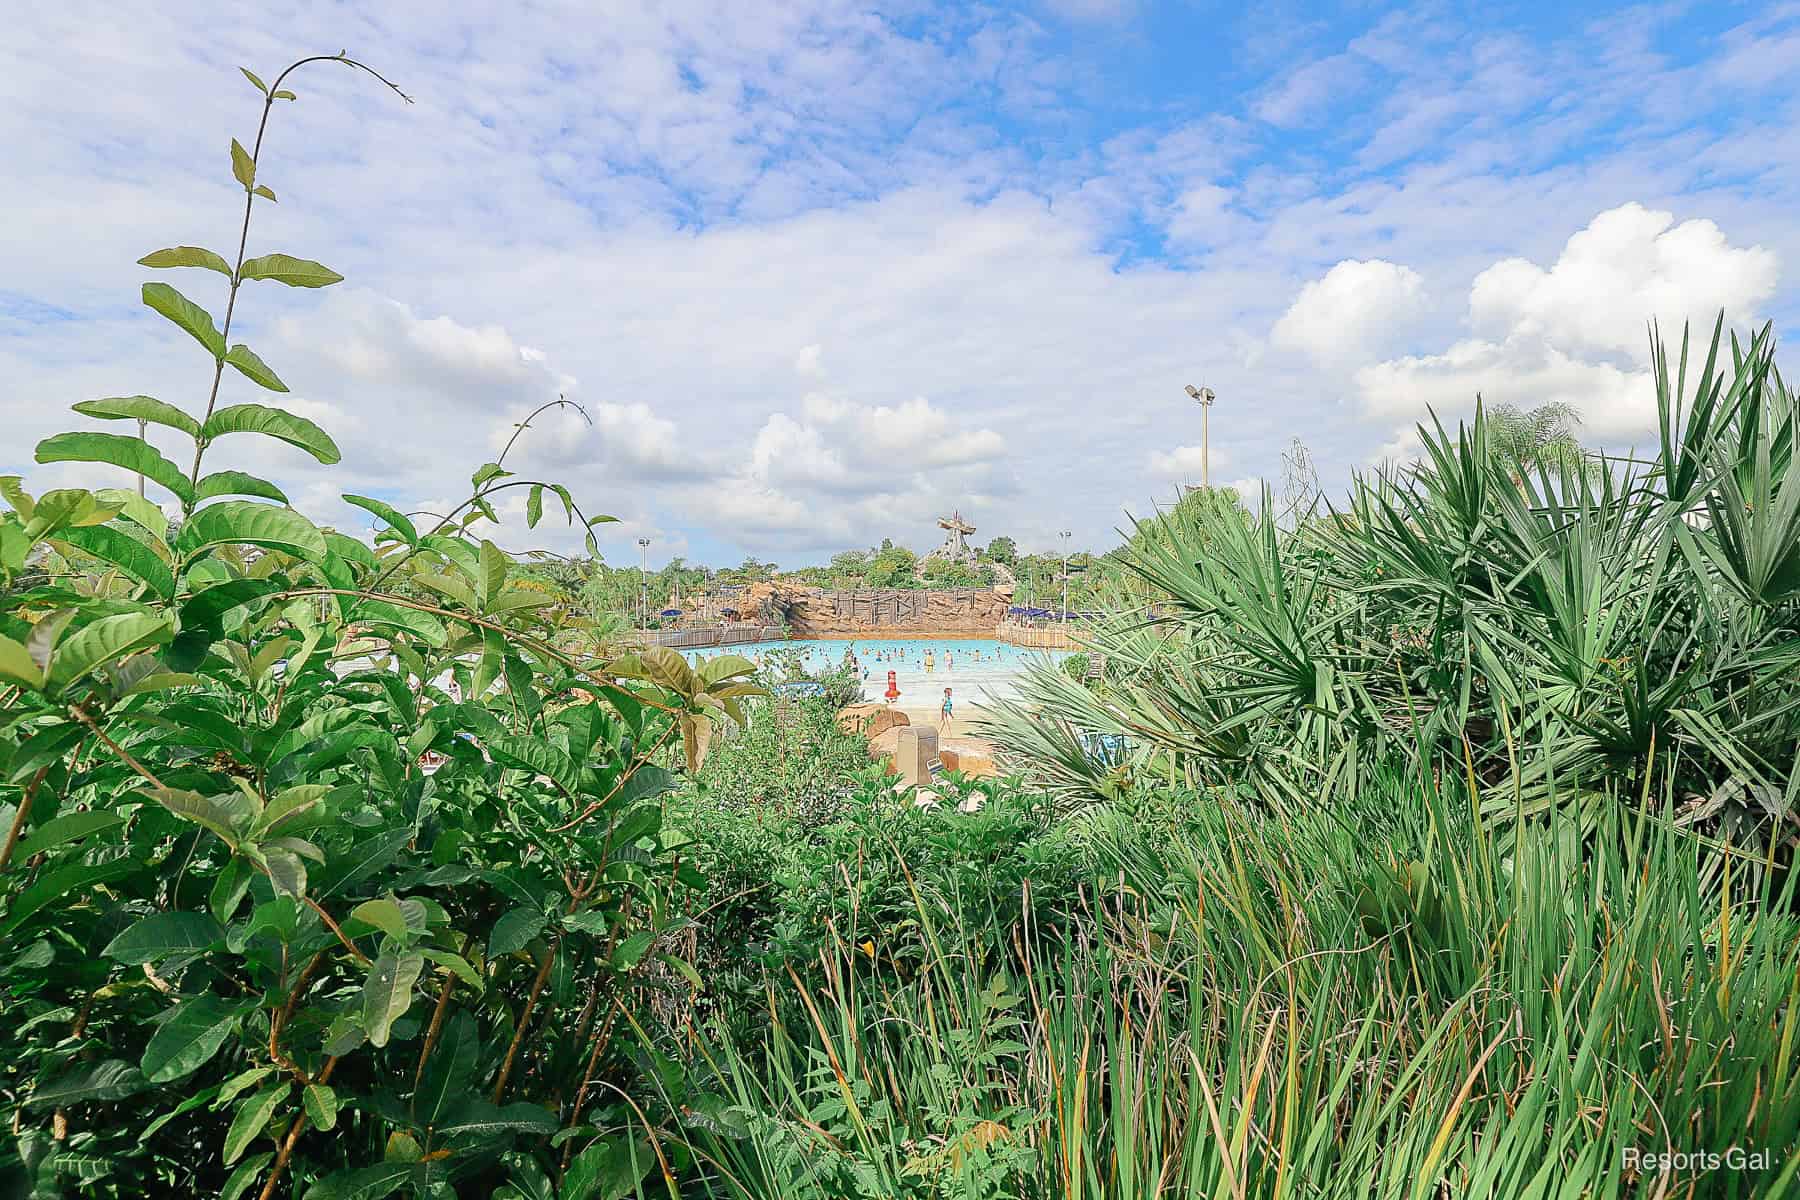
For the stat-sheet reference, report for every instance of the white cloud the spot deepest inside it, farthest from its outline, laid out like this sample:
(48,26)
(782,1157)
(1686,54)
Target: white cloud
(1356,310)
(1575,332)
(819,273)
(1302,91)
(1185,462)
(1629,266)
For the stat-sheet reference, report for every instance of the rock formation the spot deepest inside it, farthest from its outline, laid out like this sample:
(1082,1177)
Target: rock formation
(812,612)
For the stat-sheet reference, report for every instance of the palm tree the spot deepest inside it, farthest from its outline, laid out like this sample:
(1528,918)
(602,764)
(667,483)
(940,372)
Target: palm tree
(1543,437)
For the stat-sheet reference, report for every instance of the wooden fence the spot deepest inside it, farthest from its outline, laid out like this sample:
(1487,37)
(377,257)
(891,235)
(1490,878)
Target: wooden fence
(1039,637)
(735,634)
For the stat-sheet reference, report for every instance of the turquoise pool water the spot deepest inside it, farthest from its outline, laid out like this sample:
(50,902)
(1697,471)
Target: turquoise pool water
(974,669)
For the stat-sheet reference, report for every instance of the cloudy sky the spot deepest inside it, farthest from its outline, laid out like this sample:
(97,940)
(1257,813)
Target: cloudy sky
(818,270)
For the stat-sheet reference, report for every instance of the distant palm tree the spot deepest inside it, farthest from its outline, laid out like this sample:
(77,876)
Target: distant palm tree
(1543,437)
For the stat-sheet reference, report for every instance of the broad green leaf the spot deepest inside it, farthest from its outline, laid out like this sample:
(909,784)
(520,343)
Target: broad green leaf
(453,587)
(514,931)
(362,1183)
(107,640)
(456,550)
(456,964)
(141,512)
(236,483)
(387,993)
(64,508)
(381,612)
(60,883)
(134,454)
(239,1083)
(188,1038)
(594,921)
(485,472)
(243,168)
(202,810)
(275,423)
(109,1079)
(12,488)
(478,1117)
(321,1106)
(124,552)
(251,76)
(660,665)
(252,1119)
(245,1176)
(213,607)
(350,549)
(41,748)
(244,522)
(161,934)
(494,564)
(685,969)
(158,681)
(449,1072)
(185,313)
(290,804)
(68,827)
(16,664)
(283,94)
(186,256)
(287,873)
(609,1169)
(630,951)
(727,666)
(515,599)
(45,633)
(139,408)
(384,915)
(295,272)
(253,368)
(534,506)
(493,659)
(264,192)
(395,519)
(534,754)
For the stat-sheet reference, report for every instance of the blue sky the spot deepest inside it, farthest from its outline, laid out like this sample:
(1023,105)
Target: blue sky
(819,270)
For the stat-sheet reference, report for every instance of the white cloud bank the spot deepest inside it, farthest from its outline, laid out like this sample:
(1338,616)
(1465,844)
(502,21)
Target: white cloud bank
(1357,308)
(1574,332)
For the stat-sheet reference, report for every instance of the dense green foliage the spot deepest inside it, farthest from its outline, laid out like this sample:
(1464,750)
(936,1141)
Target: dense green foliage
(1441,846)
(249,939)
(1553,633)
(1367,999)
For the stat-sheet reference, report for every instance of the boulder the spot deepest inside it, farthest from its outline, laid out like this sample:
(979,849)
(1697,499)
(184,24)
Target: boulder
(970,761)
(885,744)
(870,720)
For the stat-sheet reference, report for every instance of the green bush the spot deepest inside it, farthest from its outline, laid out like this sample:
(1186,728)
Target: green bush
(1584,628)
(247,939)
(1366,1000)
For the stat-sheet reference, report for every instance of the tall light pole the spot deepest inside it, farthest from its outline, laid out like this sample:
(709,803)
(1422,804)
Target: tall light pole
(1204,397)
(1065,535)
(644,582)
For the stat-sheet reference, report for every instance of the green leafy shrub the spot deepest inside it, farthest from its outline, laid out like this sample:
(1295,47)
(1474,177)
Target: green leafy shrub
(279,911)
(1360,1001)
(1559,628)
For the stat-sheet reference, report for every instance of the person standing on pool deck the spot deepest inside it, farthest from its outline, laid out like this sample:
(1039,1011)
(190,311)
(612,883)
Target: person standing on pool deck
(946,706)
